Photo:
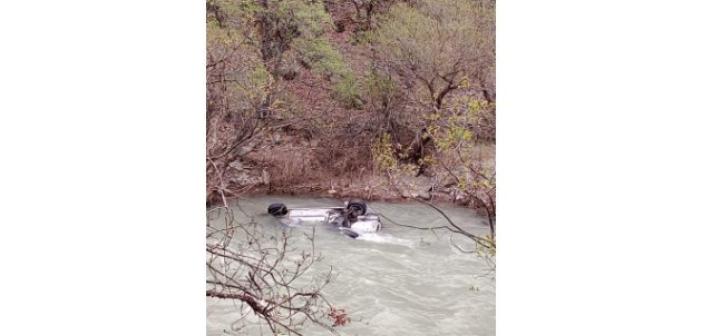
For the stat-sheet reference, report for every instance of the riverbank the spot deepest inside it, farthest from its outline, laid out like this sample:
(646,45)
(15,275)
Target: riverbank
(286,175)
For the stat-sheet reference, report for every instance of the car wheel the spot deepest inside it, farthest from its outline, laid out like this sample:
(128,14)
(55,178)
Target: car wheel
(358,207)
(277,210)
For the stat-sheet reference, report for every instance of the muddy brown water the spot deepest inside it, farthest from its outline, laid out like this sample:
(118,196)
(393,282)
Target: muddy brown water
(400,281)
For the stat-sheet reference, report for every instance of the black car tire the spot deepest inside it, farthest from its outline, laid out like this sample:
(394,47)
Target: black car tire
(277,210)
(358,207)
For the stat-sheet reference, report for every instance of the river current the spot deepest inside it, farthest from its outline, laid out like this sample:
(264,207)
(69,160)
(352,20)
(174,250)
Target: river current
(400,281)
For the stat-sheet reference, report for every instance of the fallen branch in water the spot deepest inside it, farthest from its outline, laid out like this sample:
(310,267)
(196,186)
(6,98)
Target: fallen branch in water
(479,240)
(486,248)
(417,227)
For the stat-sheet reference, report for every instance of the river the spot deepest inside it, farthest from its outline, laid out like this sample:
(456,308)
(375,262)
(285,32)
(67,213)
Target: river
(400,281)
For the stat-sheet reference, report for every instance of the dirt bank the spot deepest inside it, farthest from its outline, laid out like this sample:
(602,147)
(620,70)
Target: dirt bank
(287,174)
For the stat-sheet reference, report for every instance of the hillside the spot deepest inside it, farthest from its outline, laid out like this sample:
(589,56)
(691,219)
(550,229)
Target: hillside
(365,98)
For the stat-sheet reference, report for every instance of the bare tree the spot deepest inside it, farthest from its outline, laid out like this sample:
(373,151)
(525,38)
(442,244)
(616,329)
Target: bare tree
(265,279)
(432,50)
(241,94)
(437,44)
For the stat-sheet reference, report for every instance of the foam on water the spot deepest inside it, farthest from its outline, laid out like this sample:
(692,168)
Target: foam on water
(398,281)
(385,239)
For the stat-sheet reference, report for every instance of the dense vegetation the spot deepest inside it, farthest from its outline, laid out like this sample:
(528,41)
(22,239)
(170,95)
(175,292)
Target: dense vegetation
(367,98)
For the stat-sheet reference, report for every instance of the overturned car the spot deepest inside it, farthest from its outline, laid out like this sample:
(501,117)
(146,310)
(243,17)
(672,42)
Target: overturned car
(351,219)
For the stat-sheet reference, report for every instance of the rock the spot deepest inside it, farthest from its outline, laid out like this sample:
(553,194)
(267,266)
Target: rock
(423,195)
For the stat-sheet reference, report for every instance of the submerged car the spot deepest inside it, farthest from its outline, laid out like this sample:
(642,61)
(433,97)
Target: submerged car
(351,219)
